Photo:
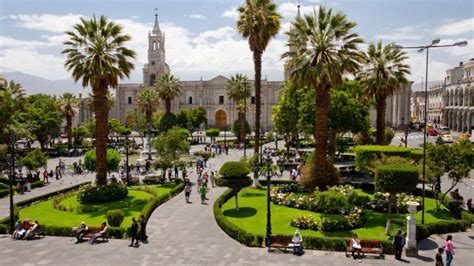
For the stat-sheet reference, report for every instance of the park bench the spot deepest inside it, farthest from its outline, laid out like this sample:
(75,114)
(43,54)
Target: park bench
(368,247)
(281,242)
(39,232)
(92,231)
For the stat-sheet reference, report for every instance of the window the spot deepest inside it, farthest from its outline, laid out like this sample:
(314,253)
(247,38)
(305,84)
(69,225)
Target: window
(190,100)
(154,45)
(221,99)
(129,100)
(252,100)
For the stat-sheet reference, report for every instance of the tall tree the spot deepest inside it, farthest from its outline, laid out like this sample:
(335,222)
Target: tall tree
(192,119)
(168,88)
(96,54)
(239,90)
(385,72)
(12,98)
(148,101)
(259,22)
(68,103)
(326,50)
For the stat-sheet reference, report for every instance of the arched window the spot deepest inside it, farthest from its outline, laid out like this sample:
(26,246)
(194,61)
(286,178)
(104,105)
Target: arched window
(154,45)
(158,45)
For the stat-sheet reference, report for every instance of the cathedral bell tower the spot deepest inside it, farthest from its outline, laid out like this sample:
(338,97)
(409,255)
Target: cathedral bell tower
(156,66)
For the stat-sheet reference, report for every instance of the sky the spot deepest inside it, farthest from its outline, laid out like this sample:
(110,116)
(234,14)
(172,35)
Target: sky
(201,37)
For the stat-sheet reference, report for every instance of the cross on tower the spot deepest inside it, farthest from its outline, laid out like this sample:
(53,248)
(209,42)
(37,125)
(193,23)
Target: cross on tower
(156,12)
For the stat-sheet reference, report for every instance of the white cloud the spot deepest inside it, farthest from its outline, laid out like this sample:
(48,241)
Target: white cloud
(456,28)
(8,42)
(465,51)
(196,16)
(288,10)
(231,13)
(406,33)
(436,69)
(46,22)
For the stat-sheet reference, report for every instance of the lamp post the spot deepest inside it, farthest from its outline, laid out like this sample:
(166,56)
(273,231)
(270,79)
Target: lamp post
(268,172)
(420,49)
(262,134)
(407,130)
(127,167)
(225,135)
(10,182)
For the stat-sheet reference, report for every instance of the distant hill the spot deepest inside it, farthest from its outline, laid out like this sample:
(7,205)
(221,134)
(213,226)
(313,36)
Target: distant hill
(419,86)
(34,84)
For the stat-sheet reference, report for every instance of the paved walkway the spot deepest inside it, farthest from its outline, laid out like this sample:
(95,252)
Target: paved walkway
(187,234)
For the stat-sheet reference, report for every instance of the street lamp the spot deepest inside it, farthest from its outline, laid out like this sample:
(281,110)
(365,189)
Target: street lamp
(12,177)
(127,167)
(420,49)
(225,135)
(407,130)
(269,172)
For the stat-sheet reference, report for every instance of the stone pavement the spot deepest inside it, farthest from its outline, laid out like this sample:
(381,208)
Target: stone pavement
(187,234)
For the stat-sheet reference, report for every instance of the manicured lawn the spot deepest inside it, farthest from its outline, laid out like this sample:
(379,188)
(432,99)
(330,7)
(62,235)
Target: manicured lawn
(132,206)
(252,217)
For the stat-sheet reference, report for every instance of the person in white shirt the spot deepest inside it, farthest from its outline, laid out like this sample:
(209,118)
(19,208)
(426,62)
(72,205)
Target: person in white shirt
(297,243)
(356,247)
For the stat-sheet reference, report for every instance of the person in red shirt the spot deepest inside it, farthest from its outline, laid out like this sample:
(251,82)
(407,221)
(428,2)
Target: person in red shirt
(45,176)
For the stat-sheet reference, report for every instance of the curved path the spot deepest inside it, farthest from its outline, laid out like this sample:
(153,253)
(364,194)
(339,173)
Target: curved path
(187,234)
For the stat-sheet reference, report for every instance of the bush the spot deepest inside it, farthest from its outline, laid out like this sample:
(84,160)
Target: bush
(203,154)
(332,202)
(4,192)
(236,128)
(101,194)
(234,169)
(34,159)
(304,222)
(213,132)
(321,178)
(115,217)
(426,230)
(396,178)
(113,160)
(153,180)
(388,135)
(367,154)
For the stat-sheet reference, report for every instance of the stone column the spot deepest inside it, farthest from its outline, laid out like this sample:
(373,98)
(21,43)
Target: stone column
(411,248)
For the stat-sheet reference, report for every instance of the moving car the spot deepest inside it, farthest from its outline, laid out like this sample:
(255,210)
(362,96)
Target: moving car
(444,130)
(447,138)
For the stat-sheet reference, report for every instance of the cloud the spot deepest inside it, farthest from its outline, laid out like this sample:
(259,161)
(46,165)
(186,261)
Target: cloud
(436,69)
(46,22)
(465,51)
(456,28)
(196,16)
(288,10)
(403,34)
(8,42)
(231,13)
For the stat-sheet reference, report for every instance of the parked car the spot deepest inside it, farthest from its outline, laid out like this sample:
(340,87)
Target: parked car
(447,138)
(444,130)
(432,132)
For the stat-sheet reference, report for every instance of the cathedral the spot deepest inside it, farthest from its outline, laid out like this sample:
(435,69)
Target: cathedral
(211,95)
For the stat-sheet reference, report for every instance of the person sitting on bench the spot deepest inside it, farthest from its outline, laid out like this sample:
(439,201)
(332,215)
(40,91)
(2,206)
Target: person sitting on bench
(103,230)
(469,205)
(356,247)
(455,194)
(297,243)
(80,231)
(18,228)
(33,230)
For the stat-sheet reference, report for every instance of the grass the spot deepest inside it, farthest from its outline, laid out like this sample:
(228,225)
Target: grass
(252,217)
(132,206)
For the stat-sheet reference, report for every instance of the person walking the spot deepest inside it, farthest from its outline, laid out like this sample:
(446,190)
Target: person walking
(439,257)
(213,179)
(202,193)
(134,232)
(398,242)
(142,233)
(45,176)
(449,249)
(187,192)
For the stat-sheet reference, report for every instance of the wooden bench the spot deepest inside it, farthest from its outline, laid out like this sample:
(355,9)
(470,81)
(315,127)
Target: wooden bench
(367,247)
(92,231)
(39,232)
(281,242)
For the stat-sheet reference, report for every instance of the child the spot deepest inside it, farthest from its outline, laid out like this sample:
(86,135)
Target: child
(202,193)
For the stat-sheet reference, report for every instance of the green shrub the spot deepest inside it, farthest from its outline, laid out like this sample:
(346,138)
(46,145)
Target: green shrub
(4,192)
(426,230)
(236,128)
(332,202)
(367,154)
(325,176)
(304,222)
(4,229)
(115,217)
(203,154)
(34,160)
(4,180)
(112,160)
(396,178)
(388,135)
(100,194)
(213,132)
(234,169)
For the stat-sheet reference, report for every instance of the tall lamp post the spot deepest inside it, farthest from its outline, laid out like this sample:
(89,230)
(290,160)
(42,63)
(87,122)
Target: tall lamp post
(127,167)
(10,181)
(420,49)
(269,172)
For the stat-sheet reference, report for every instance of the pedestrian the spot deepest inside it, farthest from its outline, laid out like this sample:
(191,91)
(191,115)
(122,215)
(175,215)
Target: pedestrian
(356,247)
(22,183)
(439,257)
(449,249)
(213,179)
(187,192)
(297,243)
(142,233)
(29,180)
(202,193)
(51,174)
(176,172)
(184,173)
(45,176)
(57,172)
(398,242)
(134,232)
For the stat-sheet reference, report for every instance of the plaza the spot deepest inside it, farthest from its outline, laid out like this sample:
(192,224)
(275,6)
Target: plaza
(258,132)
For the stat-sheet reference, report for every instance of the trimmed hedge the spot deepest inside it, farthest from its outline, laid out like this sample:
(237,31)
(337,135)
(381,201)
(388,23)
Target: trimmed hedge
(115,217)
(426,230)
(396,178)
(366,154)
(253,240)
(4,192)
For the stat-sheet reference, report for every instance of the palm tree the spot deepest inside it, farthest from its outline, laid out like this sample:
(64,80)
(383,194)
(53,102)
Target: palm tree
(168,88)
(326,51)
(96,55)
(259,22)
(385,72)
(68,103)
(90,101)
(239,90)
(147,102)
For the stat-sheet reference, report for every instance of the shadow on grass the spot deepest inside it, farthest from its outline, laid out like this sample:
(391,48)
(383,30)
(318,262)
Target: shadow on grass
(441,214)
(252,195)
(244,212)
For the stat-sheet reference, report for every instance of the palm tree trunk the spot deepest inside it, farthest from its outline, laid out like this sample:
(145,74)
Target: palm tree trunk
(102,132)
(321,131)
(148,124)
(69,131)
(257,60)
(242,126)
(381,104)
(168,106)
